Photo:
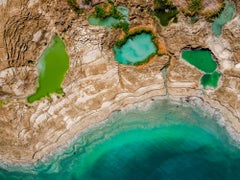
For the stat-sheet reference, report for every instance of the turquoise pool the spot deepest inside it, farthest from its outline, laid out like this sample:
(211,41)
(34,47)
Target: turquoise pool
(224,17)
(137,49)
(110,22)
(201,59)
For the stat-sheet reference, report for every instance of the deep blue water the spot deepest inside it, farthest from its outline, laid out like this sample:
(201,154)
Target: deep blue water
(164,141)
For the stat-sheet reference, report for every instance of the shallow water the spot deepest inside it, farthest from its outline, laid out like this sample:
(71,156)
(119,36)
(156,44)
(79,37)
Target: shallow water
(163,141)
(224,17)
(52,67)
(136,50)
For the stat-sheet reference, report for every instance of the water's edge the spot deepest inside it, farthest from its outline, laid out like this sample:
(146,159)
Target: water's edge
(144,105)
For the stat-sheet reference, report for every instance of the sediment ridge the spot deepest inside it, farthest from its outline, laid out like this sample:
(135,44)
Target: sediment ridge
(96,85)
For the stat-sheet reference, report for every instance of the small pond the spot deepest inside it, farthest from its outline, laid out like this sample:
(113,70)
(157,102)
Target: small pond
(210,80)
(167,140)
(203,60)
(137,49)
(52,66)
(165,16)
(110,21)
(225,16)
(165,11)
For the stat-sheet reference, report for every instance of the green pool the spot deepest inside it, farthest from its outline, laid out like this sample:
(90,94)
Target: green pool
(201,59)
(225,16)
(165,11)
(137,49)
(52,66)
(166,141)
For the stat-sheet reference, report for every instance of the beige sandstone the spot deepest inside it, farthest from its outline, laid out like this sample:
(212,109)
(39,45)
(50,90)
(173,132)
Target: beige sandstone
(95,84)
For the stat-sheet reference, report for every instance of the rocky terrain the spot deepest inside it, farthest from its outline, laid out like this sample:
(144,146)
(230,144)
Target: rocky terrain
(95,84)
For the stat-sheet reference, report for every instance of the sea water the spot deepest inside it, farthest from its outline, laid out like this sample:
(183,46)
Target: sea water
(165,140)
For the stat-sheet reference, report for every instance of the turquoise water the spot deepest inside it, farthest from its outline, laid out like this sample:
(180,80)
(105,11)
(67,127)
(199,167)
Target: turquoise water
(165,141)
(225,16)
(201,59)
(137,49)
(110,22)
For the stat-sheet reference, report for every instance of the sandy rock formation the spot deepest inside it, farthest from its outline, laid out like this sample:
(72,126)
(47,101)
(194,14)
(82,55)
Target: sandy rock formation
(95,84)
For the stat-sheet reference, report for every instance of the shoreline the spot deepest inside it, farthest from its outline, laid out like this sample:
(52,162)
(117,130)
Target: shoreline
(222,113)
(144,104)
(96,86)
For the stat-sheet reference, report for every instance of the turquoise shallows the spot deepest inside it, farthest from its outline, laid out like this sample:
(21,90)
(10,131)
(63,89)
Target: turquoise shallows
(225,16)
(110,22)
(138,48)
(166,140)
(201,59)
(210,80)
(52,67)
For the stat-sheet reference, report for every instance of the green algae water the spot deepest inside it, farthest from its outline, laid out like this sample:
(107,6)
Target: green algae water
(165,11)
(52,67)
(110,21)
(166,16)
(225,16)
(166,140)
(210,79)
(136,50)
(201,59)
